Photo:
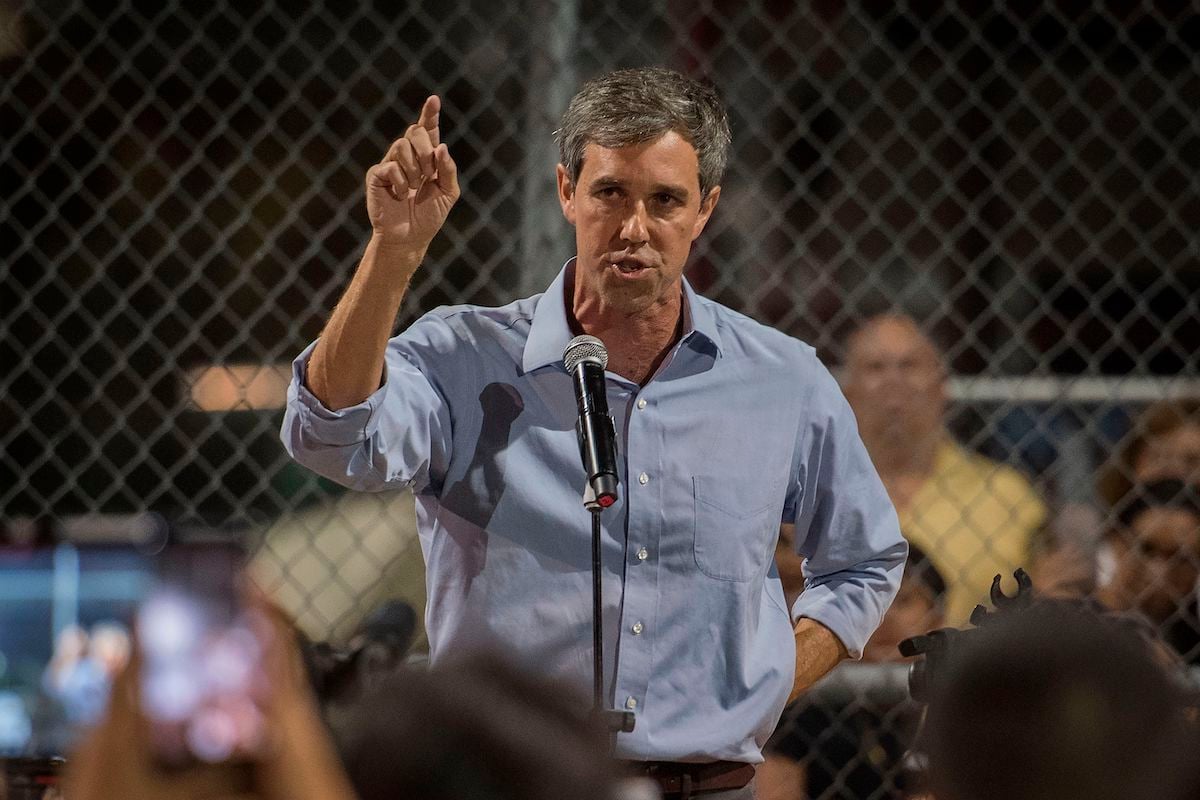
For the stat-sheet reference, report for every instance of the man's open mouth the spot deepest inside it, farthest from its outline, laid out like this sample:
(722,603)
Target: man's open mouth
(627,267)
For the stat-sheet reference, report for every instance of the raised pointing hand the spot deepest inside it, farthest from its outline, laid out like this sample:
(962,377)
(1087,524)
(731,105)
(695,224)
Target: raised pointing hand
(411,191)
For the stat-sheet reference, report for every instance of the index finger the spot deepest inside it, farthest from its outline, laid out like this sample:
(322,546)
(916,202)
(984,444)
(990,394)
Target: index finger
(431,116)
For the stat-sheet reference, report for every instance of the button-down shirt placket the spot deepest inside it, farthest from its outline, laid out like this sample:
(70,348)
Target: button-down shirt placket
(643,450)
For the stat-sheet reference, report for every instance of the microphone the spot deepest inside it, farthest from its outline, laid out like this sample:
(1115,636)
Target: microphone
(585,359)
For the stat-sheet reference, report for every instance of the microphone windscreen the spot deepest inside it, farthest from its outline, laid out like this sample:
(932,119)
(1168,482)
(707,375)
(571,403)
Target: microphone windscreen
(584,348)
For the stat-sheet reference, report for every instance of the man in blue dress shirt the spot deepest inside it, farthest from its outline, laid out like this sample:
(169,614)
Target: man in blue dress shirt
(726,429)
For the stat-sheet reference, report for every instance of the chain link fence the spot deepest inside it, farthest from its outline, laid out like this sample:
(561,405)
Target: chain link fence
(182,206)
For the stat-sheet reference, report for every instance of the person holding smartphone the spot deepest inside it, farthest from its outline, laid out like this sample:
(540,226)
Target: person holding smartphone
(296,759)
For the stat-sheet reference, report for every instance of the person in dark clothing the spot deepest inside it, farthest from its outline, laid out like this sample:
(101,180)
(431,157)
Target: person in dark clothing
(1058,702)
(480,727)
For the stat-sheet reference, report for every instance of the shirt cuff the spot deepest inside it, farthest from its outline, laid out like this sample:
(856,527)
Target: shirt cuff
(820,604)
(324,426)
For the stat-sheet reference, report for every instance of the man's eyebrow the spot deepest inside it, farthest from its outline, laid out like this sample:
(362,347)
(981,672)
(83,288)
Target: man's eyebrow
(606,180)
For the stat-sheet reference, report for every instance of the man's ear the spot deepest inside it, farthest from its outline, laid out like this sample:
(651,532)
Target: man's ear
(706,208)
(566,193)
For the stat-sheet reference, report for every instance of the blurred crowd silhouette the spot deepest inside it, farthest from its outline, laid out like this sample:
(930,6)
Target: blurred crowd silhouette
(482,727)
(1063,698)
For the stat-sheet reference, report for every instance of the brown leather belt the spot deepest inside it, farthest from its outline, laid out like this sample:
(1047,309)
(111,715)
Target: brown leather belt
(680,780)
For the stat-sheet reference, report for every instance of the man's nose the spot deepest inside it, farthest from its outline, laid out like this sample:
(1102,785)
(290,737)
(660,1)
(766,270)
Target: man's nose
(633,229)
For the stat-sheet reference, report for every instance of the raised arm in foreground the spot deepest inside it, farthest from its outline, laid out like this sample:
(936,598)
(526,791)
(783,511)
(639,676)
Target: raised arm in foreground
(409,194)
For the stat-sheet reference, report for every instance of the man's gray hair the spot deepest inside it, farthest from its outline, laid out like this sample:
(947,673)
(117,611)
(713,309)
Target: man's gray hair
(632,106)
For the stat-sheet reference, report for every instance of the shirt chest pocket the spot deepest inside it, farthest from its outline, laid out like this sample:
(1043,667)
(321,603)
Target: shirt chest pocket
(734,526)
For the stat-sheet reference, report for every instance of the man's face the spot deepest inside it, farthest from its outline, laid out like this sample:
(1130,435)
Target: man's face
(636,211)
(1162,564)
(894,381)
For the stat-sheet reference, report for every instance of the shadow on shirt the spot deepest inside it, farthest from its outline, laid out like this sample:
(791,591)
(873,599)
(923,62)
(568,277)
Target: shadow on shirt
(474,497)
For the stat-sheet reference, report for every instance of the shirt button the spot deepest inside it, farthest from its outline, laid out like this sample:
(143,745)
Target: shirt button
(643,479)
(638,628)
(631,703)
(642,554)
(641,402)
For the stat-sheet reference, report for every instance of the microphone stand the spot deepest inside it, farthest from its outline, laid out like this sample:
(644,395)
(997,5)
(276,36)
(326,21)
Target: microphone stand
(585,359)
(611,720)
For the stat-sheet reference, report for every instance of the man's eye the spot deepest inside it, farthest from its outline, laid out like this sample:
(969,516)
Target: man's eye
(609,191)
(666,199)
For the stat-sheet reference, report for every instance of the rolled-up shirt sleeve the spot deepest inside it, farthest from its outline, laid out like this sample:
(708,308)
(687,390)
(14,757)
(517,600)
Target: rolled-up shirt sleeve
(398,437)
(846,526)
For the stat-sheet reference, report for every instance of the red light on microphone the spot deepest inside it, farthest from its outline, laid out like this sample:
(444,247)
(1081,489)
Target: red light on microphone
(606,500)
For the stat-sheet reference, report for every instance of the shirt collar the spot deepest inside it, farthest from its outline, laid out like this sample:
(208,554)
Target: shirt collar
(698,317)
(549,331)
